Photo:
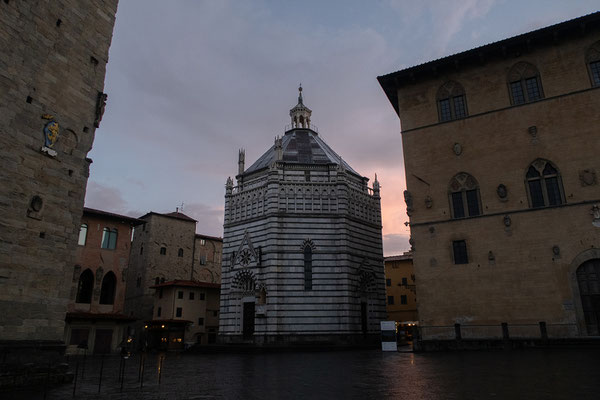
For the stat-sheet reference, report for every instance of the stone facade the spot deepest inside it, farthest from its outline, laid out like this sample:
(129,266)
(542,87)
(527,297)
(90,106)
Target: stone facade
(96,308)
(302,246)
(52,68)
(400,288)
(166,248)
(501,155)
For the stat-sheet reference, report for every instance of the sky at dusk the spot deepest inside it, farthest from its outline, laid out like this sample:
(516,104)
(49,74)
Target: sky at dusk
(191,82)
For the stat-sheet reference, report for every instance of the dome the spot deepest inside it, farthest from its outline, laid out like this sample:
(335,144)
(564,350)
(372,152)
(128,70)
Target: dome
(301,146)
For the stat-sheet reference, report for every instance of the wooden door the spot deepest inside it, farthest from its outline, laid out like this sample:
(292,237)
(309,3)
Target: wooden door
(248,321)
(102,344)
(588,278)
(363,317)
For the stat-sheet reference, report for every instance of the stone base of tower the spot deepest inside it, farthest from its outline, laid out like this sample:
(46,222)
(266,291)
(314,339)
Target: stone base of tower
(32,362)
(304,341)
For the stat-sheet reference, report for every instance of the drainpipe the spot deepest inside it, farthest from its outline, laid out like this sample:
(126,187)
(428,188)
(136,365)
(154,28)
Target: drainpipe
(193,257)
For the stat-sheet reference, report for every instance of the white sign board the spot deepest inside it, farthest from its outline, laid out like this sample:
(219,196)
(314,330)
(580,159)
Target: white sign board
(388,336)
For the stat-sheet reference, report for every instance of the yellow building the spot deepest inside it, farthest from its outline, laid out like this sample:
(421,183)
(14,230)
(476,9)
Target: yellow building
(501,149)
(400,288)
(185,313)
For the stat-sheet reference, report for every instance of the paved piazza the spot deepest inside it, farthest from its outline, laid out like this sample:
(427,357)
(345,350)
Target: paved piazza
(531,374)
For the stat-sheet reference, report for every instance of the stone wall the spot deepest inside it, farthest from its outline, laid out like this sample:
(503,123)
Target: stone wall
(188,256)
(207,259)
(148,266)
(52,68)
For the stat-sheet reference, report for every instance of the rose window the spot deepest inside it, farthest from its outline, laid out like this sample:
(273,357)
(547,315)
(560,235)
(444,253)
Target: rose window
(245,257)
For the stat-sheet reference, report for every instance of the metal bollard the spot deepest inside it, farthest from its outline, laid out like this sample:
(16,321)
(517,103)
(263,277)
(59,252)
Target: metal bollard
(75,379)
(122,375)
(457,332)
(142,370)
(120,368)
(83,366)
(46,381)
(505,335)
(101,370)
(543,330)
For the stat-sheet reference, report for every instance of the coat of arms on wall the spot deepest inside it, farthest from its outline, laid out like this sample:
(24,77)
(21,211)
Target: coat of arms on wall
(50,135)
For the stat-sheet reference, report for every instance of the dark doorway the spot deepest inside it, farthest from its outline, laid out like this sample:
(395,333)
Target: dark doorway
(212,336)
(363,317)
(103,341)
(248,328)
(588,278)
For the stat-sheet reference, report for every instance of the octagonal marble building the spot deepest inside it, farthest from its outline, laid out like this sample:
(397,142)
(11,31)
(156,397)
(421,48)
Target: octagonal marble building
(302,246)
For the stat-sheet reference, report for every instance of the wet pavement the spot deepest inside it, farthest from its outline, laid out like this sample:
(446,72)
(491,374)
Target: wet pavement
(364,374)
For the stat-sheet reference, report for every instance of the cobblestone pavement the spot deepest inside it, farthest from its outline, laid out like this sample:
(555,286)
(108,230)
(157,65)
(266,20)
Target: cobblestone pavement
(530,374)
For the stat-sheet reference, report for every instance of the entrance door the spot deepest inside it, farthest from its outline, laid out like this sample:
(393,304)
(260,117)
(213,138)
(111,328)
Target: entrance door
(103,341)
(588,278)
(248,327)
(363,317)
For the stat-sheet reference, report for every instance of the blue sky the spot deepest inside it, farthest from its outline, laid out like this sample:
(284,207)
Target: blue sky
(191,82)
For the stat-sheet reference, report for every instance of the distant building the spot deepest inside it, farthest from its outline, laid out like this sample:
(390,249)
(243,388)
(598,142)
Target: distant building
(52,69)
(501,147)
(400,288)
(302,246)
(95,318)
(185,313)
(165,249)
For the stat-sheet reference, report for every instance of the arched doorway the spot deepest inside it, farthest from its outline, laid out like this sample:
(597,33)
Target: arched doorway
(588,280)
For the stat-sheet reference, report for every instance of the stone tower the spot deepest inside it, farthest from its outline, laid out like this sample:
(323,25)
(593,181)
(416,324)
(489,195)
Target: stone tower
(52,68)
(302,246)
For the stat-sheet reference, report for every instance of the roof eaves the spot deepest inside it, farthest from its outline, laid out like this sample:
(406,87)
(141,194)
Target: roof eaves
(133,221)
(392,81)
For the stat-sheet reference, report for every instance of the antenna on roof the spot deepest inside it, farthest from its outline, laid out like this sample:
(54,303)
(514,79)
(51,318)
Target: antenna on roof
(181,206)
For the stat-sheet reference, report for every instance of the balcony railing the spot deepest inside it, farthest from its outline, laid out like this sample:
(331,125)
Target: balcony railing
(311,127)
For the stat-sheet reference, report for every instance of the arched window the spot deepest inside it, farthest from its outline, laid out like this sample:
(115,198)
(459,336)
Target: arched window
(109,238)
(82,234)
(141,249)
(307,267)
(592,59)
(163,250)
(452,102)
(544,185)
(524,83)
(464,196)
(85,287)
(262,296)
(588,277)
(109,287)
(180,253)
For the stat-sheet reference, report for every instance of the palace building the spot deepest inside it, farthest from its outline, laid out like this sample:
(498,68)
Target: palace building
(302,246)
(400,288)
(501,147)
(95,318)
